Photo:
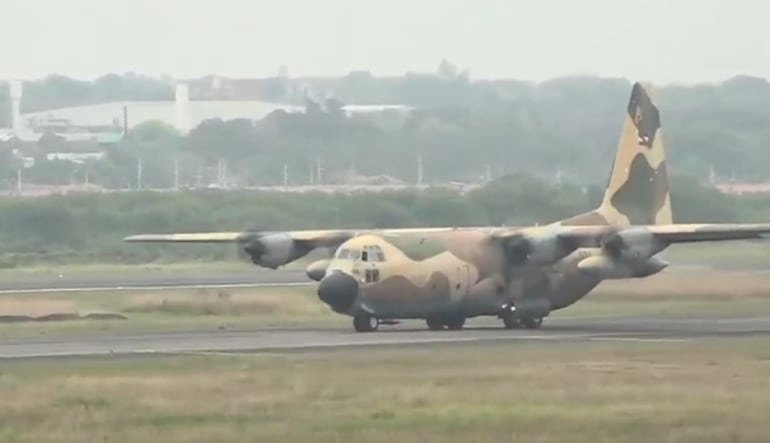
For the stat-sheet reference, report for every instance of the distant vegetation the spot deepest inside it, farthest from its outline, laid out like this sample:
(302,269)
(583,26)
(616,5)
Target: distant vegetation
(460,127)
(90,228)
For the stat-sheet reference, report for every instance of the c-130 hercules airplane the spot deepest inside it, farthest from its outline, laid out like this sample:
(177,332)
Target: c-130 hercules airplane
(518,274)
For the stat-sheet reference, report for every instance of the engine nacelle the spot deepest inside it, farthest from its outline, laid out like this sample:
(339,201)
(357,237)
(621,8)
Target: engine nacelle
(607,268)
(317,270)
(632,244)
(540,249)
(274,250)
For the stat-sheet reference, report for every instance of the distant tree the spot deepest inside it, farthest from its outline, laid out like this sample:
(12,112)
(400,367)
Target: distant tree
(459,125)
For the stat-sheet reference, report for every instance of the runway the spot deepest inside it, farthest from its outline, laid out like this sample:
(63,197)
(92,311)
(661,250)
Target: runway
(80,282)
(411,333)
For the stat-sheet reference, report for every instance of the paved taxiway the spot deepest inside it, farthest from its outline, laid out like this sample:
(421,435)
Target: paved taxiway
(149,280)
(284,340)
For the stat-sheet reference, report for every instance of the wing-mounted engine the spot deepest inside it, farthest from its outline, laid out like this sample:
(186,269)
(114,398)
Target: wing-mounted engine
(631,244)
(273,250)
(540,248)
(607,268)
(317,270)
(625,253)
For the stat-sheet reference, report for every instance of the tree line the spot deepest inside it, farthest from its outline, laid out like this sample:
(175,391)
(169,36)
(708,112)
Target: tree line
(461,128)
(89,228)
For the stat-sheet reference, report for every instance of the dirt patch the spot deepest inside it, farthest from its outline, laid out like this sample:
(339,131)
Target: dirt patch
(61,316)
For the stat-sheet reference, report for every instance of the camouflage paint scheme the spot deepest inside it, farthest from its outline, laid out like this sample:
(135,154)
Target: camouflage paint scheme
(445,275)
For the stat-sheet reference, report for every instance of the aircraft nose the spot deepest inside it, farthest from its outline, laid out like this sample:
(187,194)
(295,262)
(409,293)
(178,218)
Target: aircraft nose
(338,290)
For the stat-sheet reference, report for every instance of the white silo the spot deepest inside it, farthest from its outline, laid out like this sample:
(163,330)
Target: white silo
(182,108)
(15,94)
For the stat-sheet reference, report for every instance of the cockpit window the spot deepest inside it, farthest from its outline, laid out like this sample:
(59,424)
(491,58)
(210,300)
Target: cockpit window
(369,254)
(373,254)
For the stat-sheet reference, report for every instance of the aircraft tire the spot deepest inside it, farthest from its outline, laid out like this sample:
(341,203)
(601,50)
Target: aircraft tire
(363,322)
(532,322)
(510,321)
(435,323)
(455,322)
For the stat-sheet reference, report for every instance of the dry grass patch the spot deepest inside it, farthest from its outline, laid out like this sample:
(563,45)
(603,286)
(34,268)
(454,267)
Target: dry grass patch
(36,307)
(241,302)
(700,284)
(543,392)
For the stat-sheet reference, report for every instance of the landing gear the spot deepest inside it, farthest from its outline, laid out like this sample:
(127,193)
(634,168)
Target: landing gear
(512,321)
(455,322)
(437,322)
(531,322)
(364,322)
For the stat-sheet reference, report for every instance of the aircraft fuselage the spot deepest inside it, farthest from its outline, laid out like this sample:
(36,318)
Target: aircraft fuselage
(456,274)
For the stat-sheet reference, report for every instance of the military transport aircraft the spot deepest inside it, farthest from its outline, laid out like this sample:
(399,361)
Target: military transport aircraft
(518,274)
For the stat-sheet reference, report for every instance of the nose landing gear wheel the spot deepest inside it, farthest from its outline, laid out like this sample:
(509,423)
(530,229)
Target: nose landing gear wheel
(363,322)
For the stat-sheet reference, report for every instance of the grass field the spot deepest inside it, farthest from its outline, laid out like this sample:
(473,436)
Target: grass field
(516,391)
(673,294)
(126,270)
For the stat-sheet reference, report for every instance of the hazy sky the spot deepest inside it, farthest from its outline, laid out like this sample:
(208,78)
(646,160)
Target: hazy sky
(659,40)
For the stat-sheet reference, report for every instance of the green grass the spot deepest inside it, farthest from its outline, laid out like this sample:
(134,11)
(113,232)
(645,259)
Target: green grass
(124,269)
(232,265)
(515,391)
(729,255)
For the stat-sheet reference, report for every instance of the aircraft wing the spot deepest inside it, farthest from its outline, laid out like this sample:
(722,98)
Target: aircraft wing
(550,243)
(236,237)
(684,233)
(203,237)
(311,236)
(272,249)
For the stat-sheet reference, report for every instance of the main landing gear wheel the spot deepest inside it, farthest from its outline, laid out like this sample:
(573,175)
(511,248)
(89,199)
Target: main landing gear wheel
(512,322)
(363,322)
(531,322)
(455,323)
(434,323)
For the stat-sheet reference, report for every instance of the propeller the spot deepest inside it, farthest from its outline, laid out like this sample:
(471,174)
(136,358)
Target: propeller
(246,243)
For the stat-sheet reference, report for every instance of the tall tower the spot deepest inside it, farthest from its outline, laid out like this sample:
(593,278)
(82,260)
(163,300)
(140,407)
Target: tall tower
(15,94)
(182,108)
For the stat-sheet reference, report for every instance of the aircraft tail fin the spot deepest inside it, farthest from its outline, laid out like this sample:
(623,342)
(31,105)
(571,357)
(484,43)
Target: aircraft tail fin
(637,192)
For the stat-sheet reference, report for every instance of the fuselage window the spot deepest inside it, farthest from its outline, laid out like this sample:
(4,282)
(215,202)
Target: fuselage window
(365,256)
